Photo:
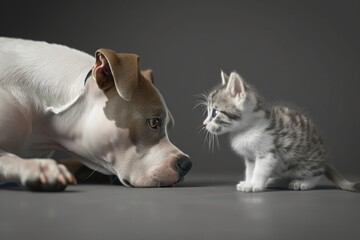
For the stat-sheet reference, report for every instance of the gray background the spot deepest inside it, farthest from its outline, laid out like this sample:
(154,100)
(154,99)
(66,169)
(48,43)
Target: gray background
(302,52)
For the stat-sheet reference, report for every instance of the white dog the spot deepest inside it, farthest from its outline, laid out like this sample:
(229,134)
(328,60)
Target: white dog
(102,110)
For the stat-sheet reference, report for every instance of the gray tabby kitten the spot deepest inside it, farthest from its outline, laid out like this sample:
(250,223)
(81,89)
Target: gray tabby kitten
(280,145)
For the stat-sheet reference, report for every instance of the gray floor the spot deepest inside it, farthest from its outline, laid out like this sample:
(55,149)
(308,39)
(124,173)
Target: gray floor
(204,207)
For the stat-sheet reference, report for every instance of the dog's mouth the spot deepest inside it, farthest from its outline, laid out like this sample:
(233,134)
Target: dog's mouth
(127,183)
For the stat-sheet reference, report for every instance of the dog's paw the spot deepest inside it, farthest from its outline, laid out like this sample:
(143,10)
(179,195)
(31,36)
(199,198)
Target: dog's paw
(45,175)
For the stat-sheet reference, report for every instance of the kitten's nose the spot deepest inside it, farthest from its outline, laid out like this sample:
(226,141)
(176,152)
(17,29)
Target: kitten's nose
(205,122)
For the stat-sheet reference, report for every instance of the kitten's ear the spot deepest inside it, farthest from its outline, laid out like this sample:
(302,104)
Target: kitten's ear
(236,87)
(224,78)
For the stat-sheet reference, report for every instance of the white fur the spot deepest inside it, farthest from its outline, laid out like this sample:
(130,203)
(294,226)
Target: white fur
(46,106)
(253,144)
(45,67)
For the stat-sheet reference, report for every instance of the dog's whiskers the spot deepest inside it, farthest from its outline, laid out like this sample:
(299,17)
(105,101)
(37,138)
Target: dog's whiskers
(87,177)
(112,179)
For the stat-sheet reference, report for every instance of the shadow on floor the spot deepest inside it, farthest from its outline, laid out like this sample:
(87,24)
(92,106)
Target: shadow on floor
(223,183)
(89,177)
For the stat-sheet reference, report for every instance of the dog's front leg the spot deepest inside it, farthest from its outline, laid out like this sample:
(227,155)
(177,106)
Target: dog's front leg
(35,174)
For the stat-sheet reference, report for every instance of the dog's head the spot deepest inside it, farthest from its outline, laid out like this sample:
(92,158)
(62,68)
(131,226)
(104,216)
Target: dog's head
(127,124)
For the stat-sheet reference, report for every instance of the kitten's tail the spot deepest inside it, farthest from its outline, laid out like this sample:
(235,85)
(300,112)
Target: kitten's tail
(333,175)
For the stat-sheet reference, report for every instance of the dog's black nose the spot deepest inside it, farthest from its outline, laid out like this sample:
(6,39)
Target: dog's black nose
(183,165)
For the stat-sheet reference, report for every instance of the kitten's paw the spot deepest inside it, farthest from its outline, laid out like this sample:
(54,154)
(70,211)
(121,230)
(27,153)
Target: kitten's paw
(300,185)
(249,187)
(257,188)
(240,185)
(244,186)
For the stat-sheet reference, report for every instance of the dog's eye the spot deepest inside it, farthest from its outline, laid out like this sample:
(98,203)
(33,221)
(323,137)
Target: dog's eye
(214,112)
(154,122)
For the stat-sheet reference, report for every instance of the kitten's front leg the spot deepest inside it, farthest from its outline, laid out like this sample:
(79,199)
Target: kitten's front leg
(249,169)
(264,166)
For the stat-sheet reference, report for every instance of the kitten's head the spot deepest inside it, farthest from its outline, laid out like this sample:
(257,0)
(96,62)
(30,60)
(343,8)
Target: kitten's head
(230,105)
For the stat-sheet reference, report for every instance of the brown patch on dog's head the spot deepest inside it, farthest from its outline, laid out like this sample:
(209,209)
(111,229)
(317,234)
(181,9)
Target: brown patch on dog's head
(133,100)
(145,104)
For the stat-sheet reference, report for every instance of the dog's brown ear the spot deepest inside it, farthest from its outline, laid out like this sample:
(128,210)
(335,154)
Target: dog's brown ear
(148,74)
(116,69)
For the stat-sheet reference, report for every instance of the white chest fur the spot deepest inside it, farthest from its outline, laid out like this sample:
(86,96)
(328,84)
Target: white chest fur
(251,143)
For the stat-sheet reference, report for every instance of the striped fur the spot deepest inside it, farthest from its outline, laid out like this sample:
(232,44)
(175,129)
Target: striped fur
(280,145)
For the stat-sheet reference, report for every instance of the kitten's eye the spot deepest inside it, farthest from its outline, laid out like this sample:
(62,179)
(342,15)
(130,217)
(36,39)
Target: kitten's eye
(214,113)
(154,122)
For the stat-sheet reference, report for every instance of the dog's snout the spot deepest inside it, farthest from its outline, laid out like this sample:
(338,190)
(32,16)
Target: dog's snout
(183,165)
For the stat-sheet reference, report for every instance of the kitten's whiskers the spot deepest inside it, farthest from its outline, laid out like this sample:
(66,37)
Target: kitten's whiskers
(202,101)
(201,129)
(217,141)
(211,139)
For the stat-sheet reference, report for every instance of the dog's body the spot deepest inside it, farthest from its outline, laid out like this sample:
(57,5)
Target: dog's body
(115,123)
